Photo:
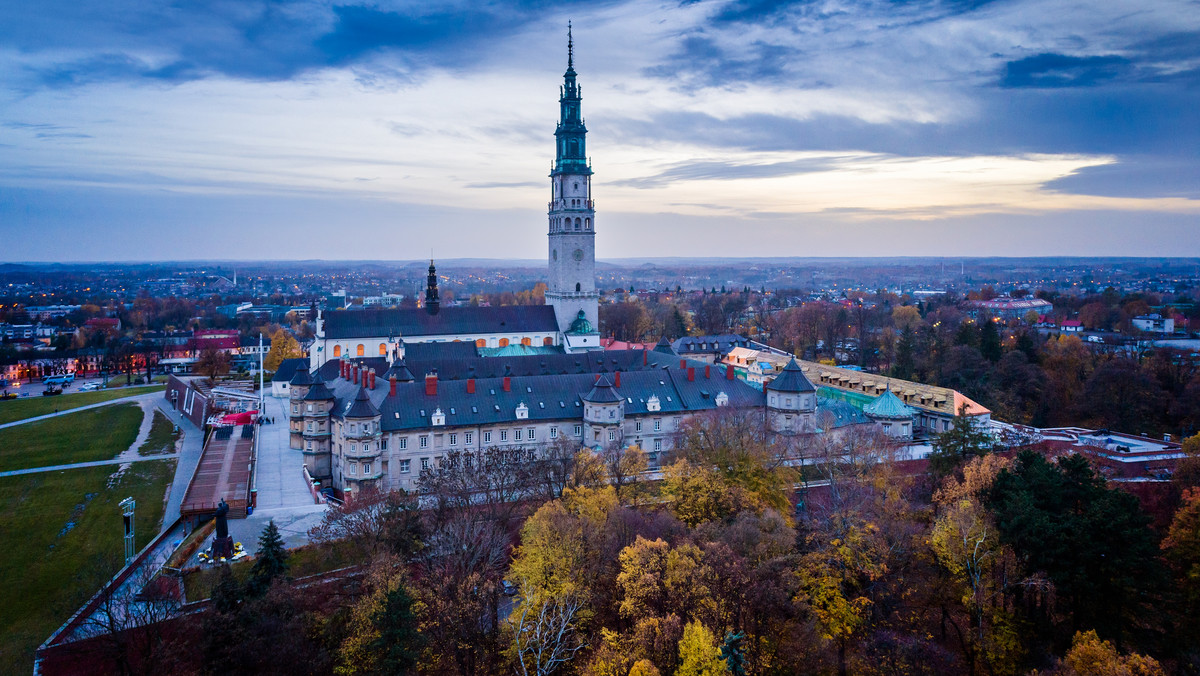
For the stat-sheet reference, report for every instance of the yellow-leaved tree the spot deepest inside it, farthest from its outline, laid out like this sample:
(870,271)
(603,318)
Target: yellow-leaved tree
(283,346)
(698,652)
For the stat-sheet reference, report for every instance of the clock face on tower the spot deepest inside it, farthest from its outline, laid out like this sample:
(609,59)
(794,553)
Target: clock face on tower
(578,254)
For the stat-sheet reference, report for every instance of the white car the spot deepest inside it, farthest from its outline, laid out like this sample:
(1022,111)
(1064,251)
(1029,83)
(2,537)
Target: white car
(88,387)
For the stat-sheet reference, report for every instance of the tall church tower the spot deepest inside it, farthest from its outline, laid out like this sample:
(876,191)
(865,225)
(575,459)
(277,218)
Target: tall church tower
(572,284)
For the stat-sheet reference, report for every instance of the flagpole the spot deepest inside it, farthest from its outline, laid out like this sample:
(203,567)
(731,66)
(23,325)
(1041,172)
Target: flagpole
(260,375)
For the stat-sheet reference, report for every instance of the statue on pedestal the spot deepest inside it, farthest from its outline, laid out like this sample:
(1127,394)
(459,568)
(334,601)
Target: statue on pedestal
(222,547)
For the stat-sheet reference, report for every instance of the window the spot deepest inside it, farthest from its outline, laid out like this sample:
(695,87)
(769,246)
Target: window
(353,447)
(596,435)
(383,444)
(310,408)
(468,437)
(405,465)
(553,432)
(337,350)
(517,434)
(503,342)
(612,413)
(424,463)
(424,441)
(367,469)
(295,408)
(403,443)
(453,439)
(309,426)
(361,350)
(487,437)
(638,426)
(366,428)
(310,445)
(382,349)
(658,425)
(503,435)
(658,444)
(530,435)
(612,435)
(579,430)
(353,469)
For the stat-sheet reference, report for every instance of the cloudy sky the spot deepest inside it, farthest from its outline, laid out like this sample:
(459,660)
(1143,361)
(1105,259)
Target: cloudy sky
(133,130)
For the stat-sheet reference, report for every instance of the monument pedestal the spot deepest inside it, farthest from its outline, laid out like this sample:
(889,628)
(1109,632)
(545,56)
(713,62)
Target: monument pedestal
(222,548)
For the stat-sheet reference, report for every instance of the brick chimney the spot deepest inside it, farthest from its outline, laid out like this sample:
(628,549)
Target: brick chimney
(470,386)
(618,383)
(371,373)
(356,371)
(431,384)
(391,386)
(507,384)
(342,366)
(682,363)
(706,373)
(645,356)
(691,374)
(729,375)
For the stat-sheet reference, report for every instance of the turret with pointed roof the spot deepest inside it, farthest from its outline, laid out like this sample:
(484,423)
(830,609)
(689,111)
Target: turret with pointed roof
(664,346)
(360,407)
(791,379)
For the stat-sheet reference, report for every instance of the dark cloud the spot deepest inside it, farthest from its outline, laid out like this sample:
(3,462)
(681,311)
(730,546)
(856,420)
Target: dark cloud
(1135,177)
(700,61)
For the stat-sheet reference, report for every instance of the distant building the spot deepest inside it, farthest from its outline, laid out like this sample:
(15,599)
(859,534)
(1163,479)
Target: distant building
(386,300)
(1154,323)
(1010,308)
(709,348)
(1072,326)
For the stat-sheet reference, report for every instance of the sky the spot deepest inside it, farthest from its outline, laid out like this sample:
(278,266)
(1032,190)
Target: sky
(277,129)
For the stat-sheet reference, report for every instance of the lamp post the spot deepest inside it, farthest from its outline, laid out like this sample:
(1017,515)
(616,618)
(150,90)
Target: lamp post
(127,506)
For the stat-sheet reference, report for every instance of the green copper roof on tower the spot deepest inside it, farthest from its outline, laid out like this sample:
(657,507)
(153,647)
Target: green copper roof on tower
(570,136)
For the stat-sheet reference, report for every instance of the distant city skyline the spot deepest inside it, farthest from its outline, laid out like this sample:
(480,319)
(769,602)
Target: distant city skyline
(137,131)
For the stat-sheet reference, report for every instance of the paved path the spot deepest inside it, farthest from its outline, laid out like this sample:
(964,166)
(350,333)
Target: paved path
(93,463)
(137,398)
(282,494)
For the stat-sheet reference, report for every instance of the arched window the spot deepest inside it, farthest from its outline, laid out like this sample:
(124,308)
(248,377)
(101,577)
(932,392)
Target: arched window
(481,342)
(547,341)
(383,349)
(503,342)
(587,224)
(576,223)
(362,349)
(577,287)
(527,341)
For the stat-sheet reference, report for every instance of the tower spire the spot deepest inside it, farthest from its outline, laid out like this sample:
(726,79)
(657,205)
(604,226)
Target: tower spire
(432,303)
(570,47)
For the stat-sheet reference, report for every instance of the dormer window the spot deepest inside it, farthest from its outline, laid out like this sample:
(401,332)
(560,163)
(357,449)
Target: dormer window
(722,399)
(438,418)
(522,411)
(653,404)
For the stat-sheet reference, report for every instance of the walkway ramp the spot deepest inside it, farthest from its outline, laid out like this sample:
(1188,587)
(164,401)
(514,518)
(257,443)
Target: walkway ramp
(224,473)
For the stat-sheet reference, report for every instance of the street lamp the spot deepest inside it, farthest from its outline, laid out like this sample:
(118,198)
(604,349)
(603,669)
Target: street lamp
(127,506)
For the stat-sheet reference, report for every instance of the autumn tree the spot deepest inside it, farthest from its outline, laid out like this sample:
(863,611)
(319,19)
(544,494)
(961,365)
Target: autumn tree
(283,346)
(698,653)
(964,440)
(212,363)
(382,636)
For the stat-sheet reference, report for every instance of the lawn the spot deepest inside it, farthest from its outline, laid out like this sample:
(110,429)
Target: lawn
(162,436)
(36,404)
(95,434)
(60,540)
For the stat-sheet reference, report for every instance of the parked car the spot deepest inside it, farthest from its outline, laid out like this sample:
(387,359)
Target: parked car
(509,588)
(89,387)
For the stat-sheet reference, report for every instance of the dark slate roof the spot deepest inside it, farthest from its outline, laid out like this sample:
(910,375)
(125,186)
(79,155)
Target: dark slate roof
(440,350)
(548,397)
(318,391)
(399,370)
(292,369)
(603,392)
(593,361)
(792,379)
(721,343)
(359,407)
(665,347)
(450,320)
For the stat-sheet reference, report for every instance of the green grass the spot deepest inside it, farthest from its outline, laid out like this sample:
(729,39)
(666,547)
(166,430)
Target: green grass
(50,570)
(35,404)
(95,434)
(162,436)
(302,562)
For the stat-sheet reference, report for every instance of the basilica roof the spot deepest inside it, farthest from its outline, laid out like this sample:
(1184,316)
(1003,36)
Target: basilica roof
(400,322)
